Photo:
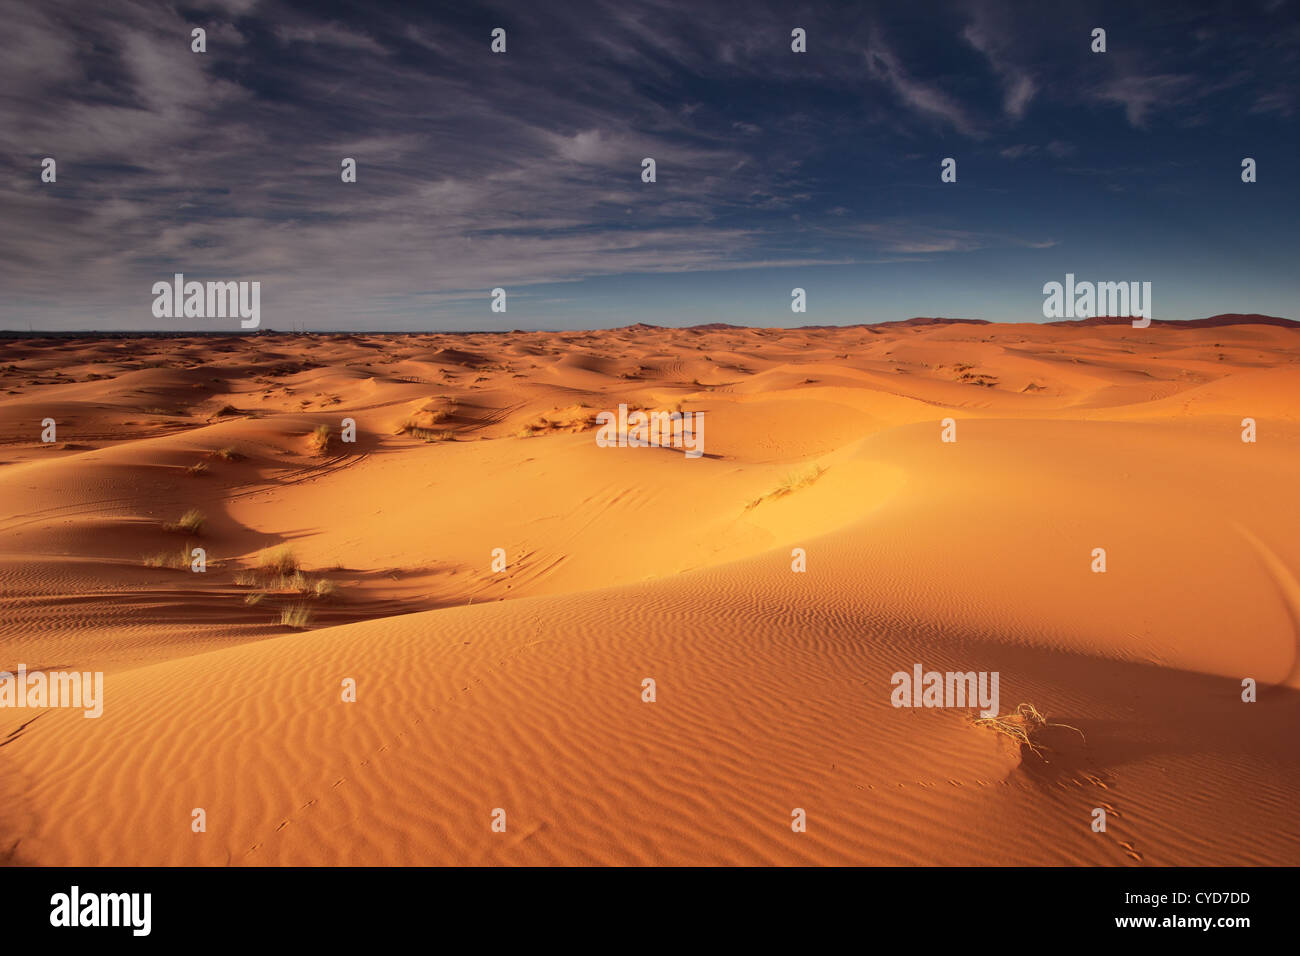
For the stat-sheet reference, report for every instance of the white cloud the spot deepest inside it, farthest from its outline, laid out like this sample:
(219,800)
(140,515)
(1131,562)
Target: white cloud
(918,96)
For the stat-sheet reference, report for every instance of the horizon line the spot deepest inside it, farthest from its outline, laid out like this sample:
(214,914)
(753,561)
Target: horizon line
(1214,321)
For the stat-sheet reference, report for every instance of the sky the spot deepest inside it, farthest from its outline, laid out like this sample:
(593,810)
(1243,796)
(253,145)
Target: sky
(522,170)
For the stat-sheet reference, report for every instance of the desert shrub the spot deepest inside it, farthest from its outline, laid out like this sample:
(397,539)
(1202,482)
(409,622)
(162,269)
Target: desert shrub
(297,616)
(320,439)
(169,559)
(1025,726)
(792,483)
(191,522)
(280,560)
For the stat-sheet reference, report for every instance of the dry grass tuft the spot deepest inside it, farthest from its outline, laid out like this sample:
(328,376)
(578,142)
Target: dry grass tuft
(298,616)
(177,560)
(792,483)
(191,522)
(277,571)
(1024,727)
(280,560)
(426,434)
(320,439)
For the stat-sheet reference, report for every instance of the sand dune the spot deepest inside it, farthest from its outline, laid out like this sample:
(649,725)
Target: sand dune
(522,689)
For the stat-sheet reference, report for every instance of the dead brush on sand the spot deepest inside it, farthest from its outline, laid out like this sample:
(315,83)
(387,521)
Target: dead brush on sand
(281,561)
(319,440)
(1025,726)
(178,560)
(278,571)
(297,617)
(425,434)
(191,522)
(421,423)
(791,484)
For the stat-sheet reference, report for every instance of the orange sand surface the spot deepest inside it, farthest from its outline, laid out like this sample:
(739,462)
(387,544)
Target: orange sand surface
(522,689)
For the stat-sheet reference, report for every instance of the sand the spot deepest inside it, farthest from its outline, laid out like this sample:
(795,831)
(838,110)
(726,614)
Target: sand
(521,690)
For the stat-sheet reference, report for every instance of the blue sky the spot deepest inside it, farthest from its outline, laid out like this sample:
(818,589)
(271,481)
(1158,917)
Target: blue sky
(522,170)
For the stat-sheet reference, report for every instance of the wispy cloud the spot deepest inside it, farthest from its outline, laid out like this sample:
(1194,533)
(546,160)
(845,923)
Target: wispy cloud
(1141,94)
(990,40)
(908,238)
(924,98)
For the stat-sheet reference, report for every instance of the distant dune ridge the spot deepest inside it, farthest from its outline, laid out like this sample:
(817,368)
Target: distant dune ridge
(1213,321)
(499,587)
